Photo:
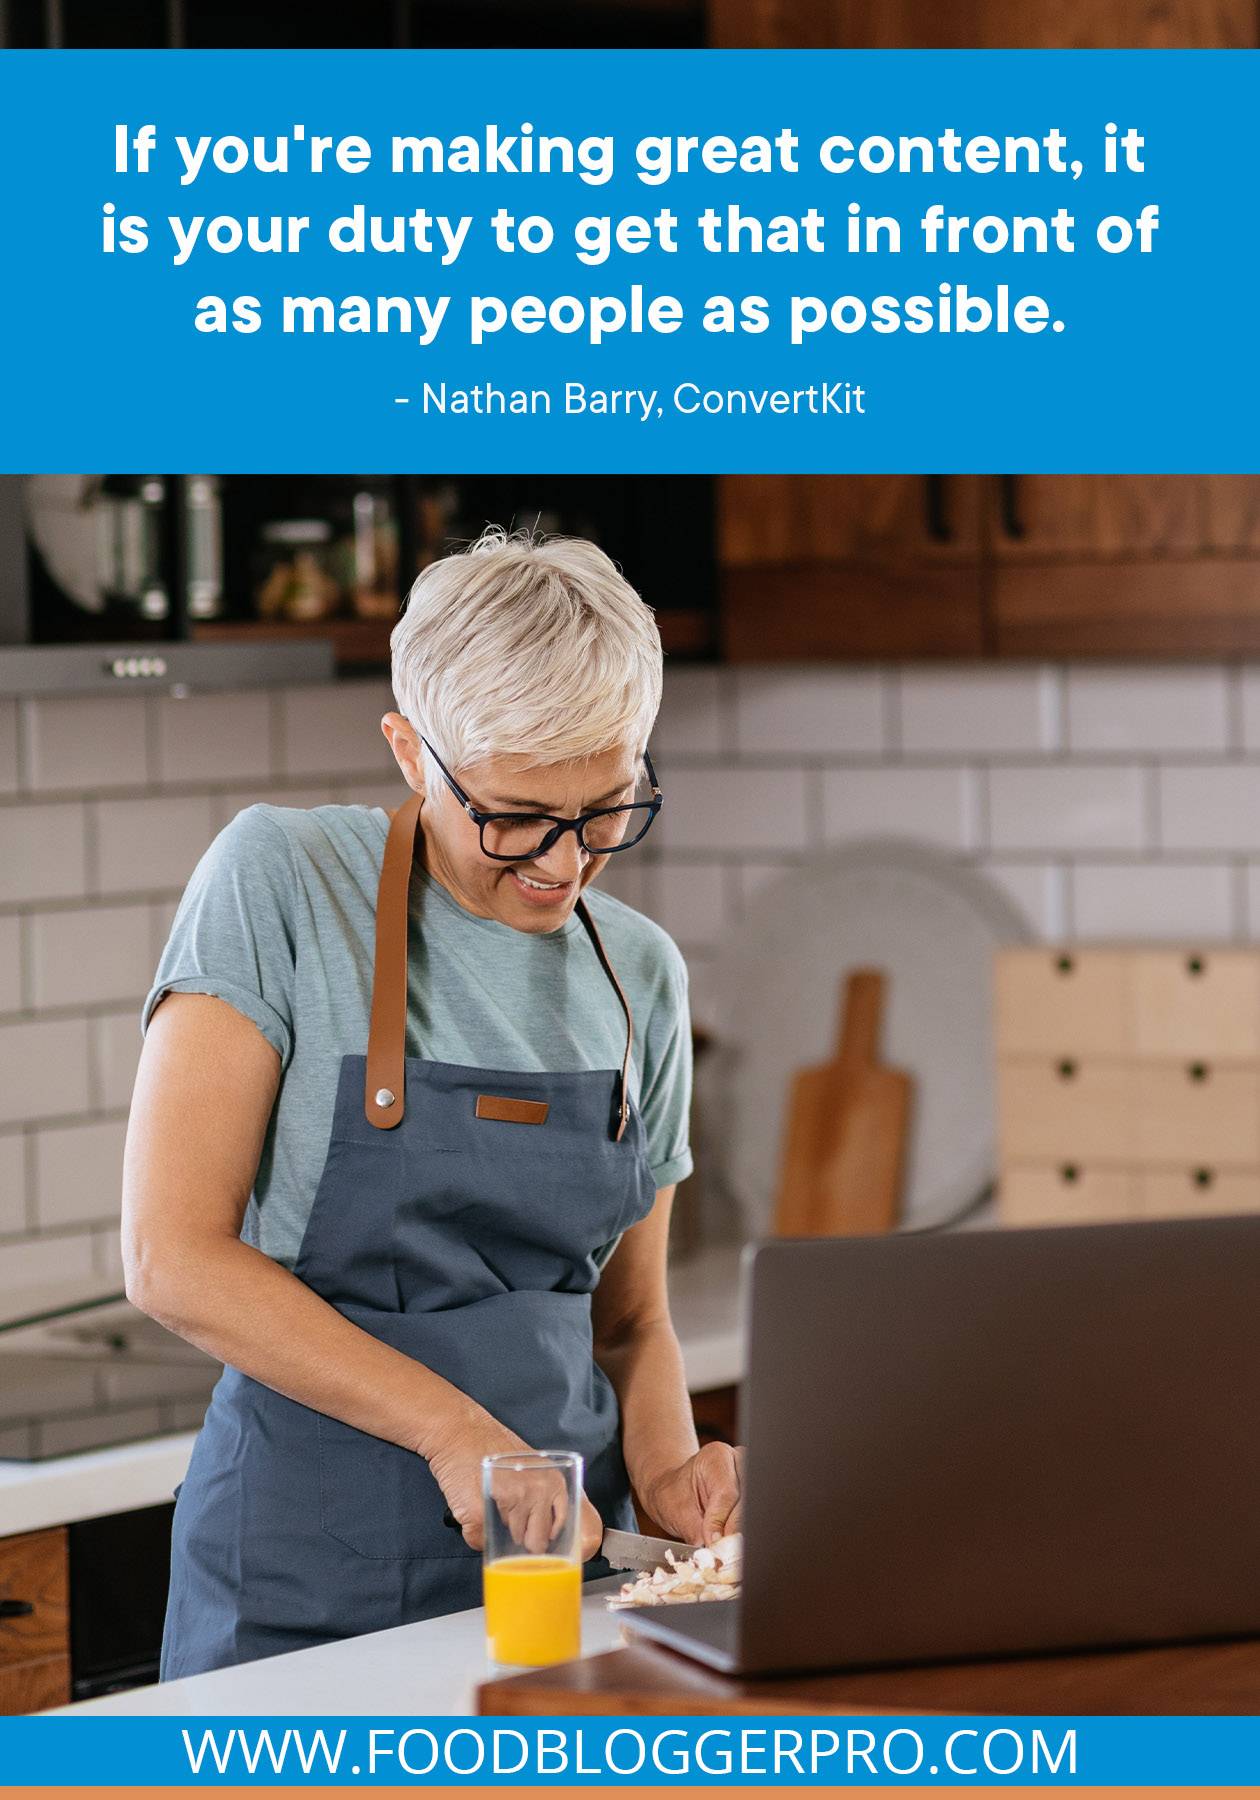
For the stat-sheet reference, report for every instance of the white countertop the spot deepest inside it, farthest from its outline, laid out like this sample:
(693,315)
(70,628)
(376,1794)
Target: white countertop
(704,1293)
(412,1670)
(91,1484)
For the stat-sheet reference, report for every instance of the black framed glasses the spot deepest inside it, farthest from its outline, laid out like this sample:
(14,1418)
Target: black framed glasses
(518,837)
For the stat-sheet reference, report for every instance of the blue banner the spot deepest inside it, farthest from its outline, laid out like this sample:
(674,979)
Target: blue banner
(619,261)
(568,1752)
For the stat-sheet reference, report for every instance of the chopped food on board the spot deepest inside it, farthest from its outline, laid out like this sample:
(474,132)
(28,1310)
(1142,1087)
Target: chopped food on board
(710,1573)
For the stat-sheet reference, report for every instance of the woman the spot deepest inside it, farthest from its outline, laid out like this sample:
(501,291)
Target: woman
(472,1258)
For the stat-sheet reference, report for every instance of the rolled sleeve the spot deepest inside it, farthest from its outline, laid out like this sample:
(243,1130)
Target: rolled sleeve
(665,1101)
(232,937)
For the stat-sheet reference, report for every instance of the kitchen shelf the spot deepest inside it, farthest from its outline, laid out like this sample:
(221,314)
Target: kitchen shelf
(364,643)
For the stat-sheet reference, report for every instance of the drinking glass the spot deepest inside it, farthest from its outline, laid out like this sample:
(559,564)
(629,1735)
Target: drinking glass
(532,1572)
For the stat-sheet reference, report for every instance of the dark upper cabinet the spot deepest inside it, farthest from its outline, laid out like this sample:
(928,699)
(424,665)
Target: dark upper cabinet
(850,566)
(1062,565)
(1098,565)
(983,24)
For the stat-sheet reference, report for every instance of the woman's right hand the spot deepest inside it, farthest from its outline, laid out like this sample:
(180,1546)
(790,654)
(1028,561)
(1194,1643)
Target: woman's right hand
(532,1520)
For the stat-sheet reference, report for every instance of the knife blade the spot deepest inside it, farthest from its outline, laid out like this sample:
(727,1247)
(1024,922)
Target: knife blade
(631,1550)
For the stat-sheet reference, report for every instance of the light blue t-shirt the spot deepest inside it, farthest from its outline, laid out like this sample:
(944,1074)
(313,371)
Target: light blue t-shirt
(279,920)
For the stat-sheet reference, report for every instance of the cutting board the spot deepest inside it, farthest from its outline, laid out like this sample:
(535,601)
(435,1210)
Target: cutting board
(845,1135)
(932,925)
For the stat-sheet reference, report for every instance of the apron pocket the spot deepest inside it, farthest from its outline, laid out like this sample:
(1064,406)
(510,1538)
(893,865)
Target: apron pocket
(380,1500)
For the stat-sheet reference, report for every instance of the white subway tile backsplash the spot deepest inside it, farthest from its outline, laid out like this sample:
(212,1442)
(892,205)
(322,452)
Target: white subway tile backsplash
(1249,679)
(78,1173)
(42,853)
(733,809)
(930,805)
(302,799)
(387,794)
(12,1184)
(116,1046)
(42,1261)
(43,1069)
(155,1383)
(10,963)
(1211,806)
(702,981)
(79,743)
(62,1437)
(88,956)
(107,1255)
(1037,889)
(960,711)
(754,877)
(152,843)
(336,730)
(690,722)
(1080,806)
(810,711)
(162,915)
(1166,709)
(691,901)
(1042,779)
(628,879)
(207,738)
(31,1385)
(8,747)
(1154,900)
(186,1415)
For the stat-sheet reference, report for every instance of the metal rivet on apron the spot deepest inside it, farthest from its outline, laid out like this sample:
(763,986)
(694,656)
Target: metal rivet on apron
(384,1097)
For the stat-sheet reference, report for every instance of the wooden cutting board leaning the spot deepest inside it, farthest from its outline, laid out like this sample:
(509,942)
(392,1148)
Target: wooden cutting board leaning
(845,1136)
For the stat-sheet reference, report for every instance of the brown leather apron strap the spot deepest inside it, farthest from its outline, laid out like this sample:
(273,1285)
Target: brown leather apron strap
(384,1094)
(624,1112)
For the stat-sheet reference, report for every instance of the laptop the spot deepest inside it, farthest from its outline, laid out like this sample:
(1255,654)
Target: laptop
(990,1443)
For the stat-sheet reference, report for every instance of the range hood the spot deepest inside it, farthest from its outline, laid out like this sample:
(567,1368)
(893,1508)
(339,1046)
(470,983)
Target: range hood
(168,665)
(171,668)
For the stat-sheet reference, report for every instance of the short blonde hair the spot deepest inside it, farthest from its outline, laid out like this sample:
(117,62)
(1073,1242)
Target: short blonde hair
(526,645)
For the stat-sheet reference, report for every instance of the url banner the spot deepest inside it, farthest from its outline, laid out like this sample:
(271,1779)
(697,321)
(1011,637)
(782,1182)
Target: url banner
(629,260)
(569,1752)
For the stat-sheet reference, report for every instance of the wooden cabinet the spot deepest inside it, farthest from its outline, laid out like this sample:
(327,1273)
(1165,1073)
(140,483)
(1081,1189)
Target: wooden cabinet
(1049,1000)
(1124,564)
(901,566)
(34,1622)
(983,24)
(849,566)
(1197,1003)
(1128,1083)
(1016,565)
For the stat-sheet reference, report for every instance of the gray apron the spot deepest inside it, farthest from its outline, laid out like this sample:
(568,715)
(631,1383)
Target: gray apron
(459,1218)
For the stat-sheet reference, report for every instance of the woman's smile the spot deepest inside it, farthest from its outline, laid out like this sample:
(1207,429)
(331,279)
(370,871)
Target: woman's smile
(536,892)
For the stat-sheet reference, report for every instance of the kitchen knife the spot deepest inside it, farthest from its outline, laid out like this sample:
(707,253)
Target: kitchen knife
(630,1550)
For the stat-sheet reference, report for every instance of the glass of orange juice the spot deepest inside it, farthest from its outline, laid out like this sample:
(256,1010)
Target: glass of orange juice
(532,1574)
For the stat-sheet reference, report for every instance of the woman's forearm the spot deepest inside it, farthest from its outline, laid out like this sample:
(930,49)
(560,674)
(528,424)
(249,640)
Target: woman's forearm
(252,1313)
(645,1366)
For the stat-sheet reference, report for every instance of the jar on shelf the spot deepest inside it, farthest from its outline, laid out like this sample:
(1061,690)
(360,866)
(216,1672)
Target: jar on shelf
(296,579)
(370,557)
(203,525)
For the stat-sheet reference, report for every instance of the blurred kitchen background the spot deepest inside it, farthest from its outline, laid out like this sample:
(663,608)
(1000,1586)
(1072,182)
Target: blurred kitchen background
(908,721)
(508,24)
(994,740)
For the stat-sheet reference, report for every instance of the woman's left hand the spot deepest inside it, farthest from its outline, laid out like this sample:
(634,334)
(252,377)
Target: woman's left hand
(699,1501)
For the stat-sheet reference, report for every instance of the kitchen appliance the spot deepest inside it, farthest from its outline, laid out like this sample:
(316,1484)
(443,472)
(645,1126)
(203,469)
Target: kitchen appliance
(844,1144)
(80,1371)
(247,565)
(932,926)
(990,1443)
